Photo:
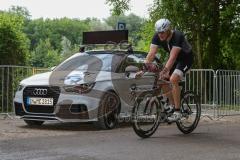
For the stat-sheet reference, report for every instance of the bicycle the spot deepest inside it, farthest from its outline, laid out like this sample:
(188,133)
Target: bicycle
(148,110)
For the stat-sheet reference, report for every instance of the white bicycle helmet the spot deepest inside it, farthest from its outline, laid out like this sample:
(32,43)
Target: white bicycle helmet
(162,25)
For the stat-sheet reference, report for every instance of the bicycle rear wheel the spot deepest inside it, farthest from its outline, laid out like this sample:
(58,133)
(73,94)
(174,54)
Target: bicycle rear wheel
(191,112)
(145,115)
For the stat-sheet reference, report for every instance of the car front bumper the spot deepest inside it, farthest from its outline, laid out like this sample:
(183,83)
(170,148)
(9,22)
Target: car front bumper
(69,108)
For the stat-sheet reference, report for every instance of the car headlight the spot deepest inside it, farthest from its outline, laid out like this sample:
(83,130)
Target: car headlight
(80,88)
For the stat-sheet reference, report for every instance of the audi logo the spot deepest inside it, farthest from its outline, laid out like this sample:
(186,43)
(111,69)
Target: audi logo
(39,92)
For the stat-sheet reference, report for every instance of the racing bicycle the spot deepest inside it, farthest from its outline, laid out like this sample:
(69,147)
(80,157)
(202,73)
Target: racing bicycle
(149,109)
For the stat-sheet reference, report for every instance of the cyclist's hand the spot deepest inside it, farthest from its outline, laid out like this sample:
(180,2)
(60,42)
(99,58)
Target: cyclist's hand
(139,74)
(164,74)
(151,67)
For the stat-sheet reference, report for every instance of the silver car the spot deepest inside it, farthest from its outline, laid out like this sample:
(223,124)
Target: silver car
(92,86)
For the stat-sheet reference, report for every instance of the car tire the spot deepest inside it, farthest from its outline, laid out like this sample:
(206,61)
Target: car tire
(108,111)
(33,123)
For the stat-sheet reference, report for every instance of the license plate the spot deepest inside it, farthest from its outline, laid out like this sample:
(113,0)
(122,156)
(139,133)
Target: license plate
(40,101)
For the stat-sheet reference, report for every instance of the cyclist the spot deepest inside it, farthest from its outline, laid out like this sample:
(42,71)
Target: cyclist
(179,61)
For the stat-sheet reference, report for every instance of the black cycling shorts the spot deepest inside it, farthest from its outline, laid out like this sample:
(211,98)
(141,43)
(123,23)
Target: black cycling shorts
(182,66)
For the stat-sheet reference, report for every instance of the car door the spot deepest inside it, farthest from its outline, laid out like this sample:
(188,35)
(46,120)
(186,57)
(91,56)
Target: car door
(127,81)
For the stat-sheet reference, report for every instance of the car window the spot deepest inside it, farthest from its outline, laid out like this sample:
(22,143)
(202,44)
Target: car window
(135,59)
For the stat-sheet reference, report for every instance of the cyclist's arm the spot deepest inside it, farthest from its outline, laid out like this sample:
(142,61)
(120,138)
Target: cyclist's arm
(150,57)
(173,56)
(151,54)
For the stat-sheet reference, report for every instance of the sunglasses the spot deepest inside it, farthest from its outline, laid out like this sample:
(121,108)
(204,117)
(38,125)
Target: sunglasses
(160,32)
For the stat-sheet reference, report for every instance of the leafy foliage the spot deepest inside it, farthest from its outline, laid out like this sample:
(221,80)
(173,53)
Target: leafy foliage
(96,25)
(206,24)
(119,6)
(133,25)
(13,42)
(44,55)
(212,27)
(41,29)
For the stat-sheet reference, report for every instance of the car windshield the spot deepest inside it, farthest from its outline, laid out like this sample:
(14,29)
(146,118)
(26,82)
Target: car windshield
(100,61)
(90,62)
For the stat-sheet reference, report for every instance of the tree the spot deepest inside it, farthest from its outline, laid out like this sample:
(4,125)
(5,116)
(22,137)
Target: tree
(13,42)
(119,6)
(44,55)
(96,25)
(20,11)
(230,33)
(67,48)
(133,24)
(54,30)
(206,24)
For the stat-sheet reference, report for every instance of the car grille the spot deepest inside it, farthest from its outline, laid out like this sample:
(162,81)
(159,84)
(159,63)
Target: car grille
(52,92)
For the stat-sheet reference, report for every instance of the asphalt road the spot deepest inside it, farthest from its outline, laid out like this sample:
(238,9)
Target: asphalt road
(210,141)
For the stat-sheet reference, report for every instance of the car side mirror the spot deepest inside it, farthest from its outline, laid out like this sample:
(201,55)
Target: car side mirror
(131,69)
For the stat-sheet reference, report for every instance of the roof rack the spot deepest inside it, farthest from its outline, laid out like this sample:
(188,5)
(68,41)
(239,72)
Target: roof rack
(109,46)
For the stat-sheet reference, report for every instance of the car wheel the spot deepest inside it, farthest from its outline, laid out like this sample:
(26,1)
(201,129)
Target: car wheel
(108,111)
(33,123)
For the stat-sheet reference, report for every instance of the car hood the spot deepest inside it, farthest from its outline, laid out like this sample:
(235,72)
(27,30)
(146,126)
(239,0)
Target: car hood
(37,79)
(72,78)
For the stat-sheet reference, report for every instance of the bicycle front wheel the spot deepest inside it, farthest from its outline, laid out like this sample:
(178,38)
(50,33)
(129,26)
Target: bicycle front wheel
(146,115)
(191,112)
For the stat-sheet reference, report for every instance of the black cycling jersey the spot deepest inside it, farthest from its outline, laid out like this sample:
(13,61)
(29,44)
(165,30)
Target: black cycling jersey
(177,40)
(185,57)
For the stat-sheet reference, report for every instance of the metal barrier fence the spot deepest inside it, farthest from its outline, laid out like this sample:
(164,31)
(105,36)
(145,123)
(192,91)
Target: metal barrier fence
(227,92)
(219,91)
(201,81)
(10,76)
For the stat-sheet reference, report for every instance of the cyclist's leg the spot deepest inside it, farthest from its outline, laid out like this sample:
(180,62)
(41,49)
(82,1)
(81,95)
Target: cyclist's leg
(175,79)
(167,91)
(177,73)
(176,76)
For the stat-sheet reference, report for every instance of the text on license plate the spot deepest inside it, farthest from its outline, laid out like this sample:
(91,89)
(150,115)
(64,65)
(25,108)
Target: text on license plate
(40,101)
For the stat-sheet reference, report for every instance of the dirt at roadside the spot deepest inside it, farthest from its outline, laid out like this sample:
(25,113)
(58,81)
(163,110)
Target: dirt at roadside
(14,128)
(225,119)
